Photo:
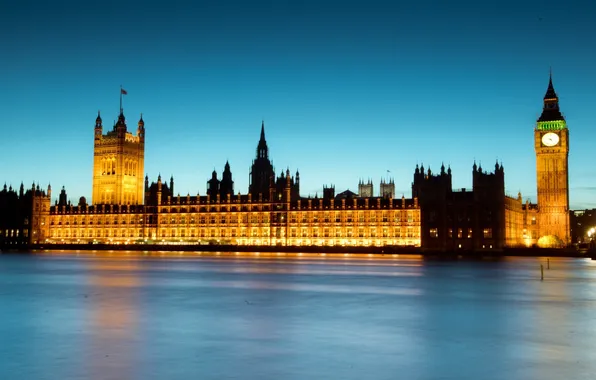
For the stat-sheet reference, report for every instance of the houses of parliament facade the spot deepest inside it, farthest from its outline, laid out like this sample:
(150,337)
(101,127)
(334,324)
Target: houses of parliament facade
(128,209)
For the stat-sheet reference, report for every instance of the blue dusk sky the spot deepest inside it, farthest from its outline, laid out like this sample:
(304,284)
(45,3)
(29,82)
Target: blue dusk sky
(347,89)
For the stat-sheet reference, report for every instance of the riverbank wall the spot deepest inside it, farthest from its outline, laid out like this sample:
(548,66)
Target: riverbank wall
(293,251)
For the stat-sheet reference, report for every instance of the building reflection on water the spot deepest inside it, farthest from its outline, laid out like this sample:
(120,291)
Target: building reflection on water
(113,316)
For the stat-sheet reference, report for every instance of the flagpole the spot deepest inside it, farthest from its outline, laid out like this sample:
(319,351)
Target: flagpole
(120,99)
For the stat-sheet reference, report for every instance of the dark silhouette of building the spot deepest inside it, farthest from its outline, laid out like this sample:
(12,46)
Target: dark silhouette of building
(222,188)
(261,173)
(329,192)
(18,223)
(285,181)
(467,220)
(158,191)
(226,185)
(213,185)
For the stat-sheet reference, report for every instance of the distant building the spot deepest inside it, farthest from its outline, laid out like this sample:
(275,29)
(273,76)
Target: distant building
(582,222)
(387,189)
(365,190)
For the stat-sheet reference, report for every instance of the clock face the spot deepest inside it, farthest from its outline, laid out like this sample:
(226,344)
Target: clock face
(550,139)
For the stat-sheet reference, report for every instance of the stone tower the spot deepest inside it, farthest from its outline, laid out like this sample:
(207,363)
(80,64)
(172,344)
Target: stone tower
(387,188)
(551,142)
(261,173)
(118,163)
(365,190)
(226,185)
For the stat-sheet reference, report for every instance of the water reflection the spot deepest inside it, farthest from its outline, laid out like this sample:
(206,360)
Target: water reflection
(113,315)
(131,317)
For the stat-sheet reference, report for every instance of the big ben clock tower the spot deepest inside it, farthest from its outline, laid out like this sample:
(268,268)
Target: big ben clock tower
(551,141)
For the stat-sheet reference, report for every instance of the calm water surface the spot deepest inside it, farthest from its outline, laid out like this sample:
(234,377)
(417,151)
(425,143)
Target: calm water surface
(90,317)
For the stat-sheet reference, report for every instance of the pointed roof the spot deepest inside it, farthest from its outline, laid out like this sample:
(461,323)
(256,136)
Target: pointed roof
(262,132)
(550,91)
(551,111)
(121,120)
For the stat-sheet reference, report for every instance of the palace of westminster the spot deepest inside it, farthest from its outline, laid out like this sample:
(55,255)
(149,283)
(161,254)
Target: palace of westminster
(126,208)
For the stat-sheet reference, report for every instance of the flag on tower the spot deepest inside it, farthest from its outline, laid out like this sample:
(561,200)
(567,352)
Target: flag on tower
(123,91)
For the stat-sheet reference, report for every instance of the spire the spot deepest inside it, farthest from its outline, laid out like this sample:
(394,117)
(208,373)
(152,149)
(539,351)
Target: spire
(550,111)
(262,149)
(262,131)
(550,91)
(98,120)
(141,122)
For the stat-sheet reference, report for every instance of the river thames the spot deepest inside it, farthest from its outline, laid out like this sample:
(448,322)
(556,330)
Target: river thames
(129,316)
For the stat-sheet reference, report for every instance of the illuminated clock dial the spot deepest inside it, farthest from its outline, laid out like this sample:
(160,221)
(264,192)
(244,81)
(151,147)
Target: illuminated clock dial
(550,139)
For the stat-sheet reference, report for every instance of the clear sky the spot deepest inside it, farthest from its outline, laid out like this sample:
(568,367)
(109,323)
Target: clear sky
(347,89)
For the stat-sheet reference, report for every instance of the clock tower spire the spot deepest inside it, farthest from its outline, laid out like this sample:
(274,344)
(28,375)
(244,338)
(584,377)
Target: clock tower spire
(551,143)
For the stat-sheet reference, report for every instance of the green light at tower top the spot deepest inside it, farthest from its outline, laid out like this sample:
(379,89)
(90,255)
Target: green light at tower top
(554,125)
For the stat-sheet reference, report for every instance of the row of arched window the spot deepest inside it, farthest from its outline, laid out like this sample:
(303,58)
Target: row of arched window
(108,166)
(108,197)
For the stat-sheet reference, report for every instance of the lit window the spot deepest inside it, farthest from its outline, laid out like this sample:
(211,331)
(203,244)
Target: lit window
(434,233)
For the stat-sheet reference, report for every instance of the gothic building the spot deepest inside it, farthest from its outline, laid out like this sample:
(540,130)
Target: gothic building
(551,142)
(261,173)
(118,163)
(272,212)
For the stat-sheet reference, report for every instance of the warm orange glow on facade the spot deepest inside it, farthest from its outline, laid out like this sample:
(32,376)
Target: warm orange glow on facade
(191,220)
(118,164)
